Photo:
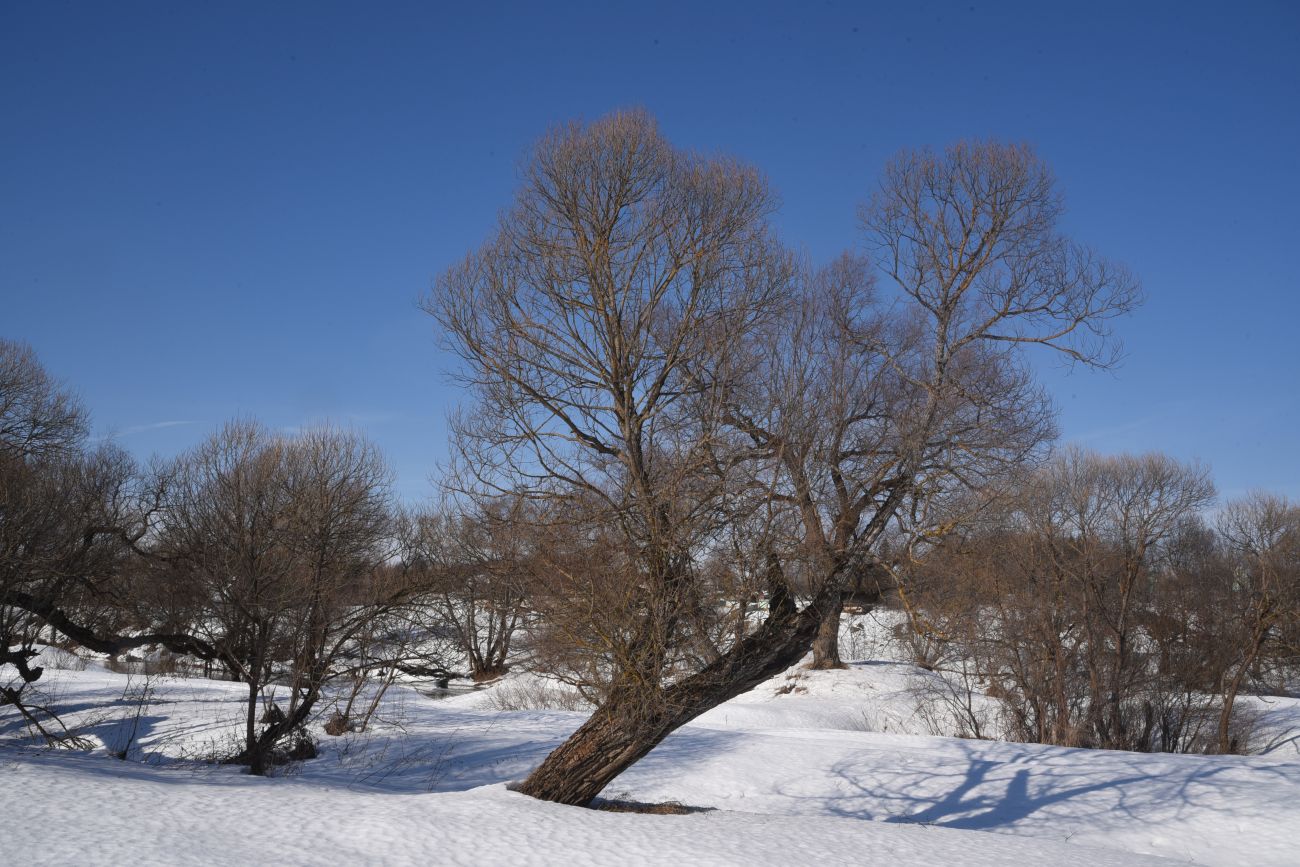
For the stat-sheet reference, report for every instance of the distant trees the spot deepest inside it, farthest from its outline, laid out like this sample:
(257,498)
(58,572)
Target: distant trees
(649,363)
(275,556)
(1255,611)
(476,571)
(1101,610)
(1058,589)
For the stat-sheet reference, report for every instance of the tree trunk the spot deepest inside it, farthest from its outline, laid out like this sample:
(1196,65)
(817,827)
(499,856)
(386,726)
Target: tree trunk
(628,725)
(1233,686)
(256,766)
(826,646)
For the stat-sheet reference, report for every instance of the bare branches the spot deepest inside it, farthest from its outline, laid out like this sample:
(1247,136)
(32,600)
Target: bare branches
(652,370)
(601,329)
(622,262)
(38,416)
(476,572)
(971,236)
(275,548)
(1067,596)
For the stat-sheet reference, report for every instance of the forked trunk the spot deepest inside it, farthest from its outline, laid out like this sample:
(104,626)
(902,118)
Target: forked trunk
(627,727)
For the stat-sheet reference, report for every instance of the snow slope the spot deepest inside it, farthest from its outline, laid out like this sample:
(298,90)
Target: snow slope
(802,769)
(79,810)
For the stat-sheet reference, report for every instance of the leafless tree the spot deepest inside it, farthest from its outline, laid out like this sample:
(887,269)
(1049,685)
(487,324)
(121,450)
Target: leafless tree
(69,511)
(39,417)
(279,542)
(883,405)
(600,329)
(476,568)
(969,244)
(1064,598)
(1261,605)
(864,430)
(646,360)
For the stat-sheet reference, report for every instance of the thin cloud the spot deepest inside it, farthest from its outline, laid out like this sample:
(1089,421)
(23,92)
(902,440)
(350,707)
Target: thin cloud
(375,418)
(1162,412)
(158,425)
(1117,430)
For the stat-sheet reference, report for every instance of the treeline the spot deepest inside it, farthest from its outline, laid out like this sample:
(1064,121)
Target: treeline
(682,447)
(281,561)
(1110,602)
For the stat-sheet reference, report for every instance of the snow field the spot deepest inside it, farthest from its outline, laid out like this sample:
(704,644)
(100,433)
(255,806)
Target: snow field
(830,767)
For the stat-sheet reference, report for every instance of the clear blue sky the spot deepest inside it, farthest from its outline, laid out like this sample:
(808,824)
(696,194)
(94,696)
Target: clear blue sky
(219,209)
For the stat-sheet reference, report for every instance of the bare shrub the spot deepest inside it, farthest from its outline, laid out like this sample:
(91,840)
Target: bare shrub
(535,694)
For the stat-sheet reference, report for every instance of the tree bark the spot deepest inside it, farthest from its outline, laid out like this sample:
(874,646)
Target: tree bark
(252,755)
(56,618)
(627,726)
(826,645)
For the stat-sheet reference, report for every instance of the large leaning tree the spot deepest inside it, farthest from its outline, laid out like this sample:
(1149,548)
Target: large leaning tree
(653,370)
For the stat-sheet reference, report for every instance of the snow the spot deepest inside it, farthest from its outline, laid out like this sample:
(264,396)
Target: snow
(833,766)
(142,815)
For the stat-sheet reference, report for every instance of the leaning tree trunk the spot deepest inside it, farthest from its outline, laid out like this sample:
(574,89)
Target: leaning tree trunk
(627,726)
(826,645)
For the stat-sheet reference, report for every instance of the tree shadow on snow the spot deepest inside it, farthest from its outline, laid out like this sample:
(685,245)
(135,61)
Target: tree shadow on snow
(1045,786)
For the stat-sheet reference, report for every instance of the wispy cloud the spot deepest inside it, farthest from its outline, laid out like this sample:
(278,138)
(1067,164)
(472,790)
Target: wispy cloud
(1160,413)
(158,425)
(373,417)
(347,419)
(1115,430)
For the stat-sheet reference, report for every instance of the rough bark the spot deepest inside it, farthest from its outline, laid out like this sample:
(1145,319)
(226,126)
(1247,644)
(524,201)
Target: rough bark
(826,644)
(625,728)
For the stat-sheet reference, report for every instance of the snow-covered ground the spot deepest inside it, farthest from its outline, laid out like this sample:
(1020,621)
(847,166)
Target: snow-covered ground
(830,767)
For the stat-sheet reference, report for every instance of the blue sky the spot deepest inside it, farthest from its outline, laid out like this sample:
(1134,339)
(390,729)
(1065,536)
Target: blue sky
(221,209)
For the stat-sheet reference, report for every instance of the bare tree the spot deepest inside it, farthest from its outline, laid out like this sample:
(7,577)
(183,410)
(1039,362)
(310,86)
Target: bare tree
(624,270)
(55,567)
(476,568)
(1262,600)
(607,335)
(883,405)
(68,515)
(41,427)
(1062,595)
(864,429)
(969,240)
(279,544)
(38,416)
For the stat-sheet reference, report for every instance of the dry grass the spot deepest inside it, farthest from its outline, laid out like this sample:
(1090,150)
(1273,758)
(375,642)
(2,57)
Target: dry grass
(532,695)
